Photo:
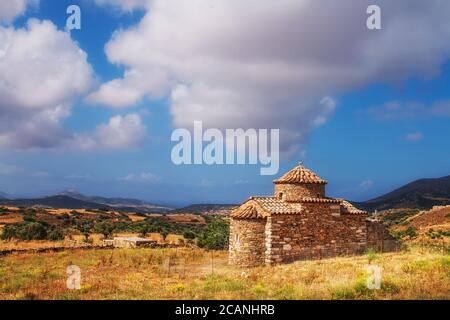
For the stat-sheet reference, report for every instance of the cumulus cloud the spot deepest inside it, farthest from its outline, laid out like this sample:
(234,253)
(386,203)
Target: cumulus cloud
(121,132)
(396,110)
(142,177)
(41,71)
(11,9)
(269,64)
(414,136)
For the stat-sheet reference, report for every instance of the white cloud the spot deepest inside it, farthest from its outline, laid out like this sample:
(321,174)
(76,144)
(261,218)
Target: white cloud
(121,132)
(269,64)
(142,177)
(206,183)
(10,9)
(366,185)
(41,72)
(414,136)
(396,110)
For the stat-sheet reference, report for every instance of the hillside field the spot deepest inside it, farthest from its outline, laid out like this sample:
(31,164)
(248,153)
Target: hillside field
(187,273)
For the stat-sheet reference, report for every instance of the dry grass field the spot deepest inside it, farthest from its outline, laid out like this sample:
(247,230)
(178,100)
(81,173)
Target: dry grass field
(185,273)
(95,239)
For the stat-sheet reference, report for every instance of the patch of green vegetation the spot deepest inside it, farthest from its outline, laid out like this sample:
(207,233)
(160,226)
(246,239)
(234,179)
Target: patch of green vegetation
(438,234)
(408,233)
(415,266)
(286,292)
(399,217)
(215,235)
(343,293)
(28,230)
(371,255)
(39,224)
(260,291)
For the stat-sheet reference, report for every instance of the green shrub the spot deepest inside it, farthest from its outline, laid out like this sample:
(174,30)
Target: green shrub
(25,231)
(215,235)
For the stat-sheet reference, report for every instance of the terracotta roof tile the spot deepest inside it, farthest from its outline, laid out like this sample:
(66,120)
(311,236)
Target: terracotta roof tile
(300,174)
(319,200)
(262,207)
(348,208)
(246,212)
(274,205)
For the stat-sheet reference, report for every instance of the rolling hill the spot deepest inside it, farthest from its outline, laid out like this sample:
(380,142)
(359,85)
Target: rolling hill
(419,194)
(122,203)
(4,195)
(74,200)
(207,208)
(57,202)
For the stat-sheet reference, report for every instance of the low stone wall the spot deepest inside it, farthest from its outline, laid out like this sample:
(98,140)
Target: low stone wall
(124,242)
(51,249)
(379,238)
(246,244)
(82,247)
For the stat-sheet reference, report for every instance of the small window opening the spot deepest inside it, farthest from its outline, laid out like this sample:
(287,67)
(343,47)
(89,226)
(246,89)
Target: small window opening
(237,240)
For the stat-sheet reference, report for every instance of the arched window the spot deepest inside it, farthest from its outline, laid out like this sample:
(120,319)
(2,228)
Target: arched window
(280,195)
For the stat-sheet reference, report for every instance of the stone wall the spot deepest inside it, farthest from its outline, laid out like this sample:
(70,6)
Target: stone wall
(247,242)
(379,238)
(295,192)
(314,233)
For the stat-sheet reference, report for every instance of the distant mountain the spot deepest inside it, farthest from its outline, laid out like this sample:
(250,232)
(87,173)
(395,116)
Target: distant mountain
(72,199)
(4,195)
(207,208)
(118,203)
(57,202)
(420,194)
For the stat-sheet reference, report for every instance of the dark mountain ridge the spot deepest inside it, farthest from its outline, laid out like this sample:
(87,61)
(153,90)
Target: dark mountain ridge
(419,194)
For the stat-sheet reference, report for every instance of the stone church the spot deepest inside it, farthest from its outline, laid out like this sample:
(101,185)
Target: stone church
(300,222)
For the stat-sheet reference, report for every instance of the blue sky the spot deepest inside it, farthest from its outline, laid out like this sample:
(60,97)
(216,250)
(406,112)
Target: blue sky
(389,126)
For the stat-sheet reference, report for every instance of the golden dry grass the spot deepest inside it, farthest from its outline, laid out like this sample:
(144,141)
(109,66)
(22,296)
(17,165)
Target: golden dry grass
(95,239)
(197,274)
(11,218)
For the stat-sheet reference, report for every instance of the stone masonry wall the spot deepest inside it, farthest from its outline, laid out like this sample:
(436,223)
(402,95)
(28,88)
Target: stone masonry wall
(379,238)
(313,234)
(247,242)
(295,192)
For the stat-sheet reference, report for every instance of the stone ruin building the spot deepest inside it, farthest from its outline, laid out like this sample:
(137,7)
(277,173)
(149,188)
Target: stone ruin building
(300,222)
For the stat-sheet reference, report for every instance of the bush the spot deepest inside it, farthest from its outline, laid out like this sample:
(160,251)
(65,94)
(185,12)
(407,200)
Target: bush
(55,234)
(105,228)
(410,232)
(189,235)
(25,231)
(215,235)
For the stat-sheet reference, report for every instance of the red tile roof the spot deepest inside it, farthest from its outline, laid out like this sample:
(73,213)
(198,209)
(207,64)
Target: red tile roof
(300,174)
(348,208)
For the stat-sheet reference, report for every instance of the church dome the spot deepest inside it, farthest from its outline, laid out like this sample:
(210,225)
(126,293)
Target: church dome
(299,175)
